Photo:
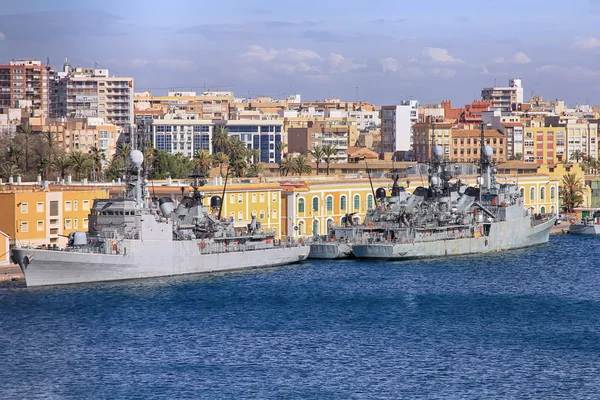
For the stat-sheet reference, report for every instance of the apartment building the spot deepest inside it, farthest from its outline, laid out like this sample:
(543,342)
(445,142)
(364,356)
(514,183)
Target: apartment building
(85,92)
(466,145)
(427,134)
(79,134)
(509,98)
(397,126)
(544,144)
(181,133)
(26,84)
(305,135)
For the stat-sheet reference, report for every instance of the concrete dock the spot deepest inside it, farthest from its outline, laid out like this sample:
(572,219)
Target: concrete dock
(10,272)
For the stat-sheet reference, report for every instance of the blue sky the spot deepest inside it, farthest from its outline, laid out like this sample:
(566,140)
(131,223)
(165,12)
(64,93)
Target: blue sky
(390,50)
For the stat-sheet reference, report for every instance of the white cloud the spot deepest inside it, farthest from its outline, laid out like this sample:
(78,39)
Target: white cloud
(444,73)
(2,36)
(440,55)
(390,64)
(338,62)
(288,60)
(521,58)
(261,53)
(412,59)
(575,72)
(586,43)
(517,58)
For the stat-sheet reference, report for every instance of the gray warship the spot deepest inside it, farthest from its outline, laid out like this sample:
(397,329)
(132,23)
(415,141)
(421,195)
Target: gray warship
(338,244)
(445,219)
(131,238)
(587,225)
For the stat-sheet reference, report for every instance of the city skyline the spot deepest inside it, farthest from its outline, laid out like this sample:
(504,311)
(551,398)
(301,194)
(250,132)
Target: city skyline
(389,52)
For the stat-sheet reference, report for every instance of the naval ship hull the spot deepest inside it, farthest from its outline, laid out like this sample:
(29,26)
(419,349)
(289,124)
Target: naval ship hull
(330,251)
(505,235)
(584,229)
(145,259)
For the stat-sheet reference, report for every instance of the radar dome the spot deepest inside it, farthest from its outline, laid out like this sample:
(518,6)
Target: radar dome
(435,180)
(136,157)
(438,151)
(489,152)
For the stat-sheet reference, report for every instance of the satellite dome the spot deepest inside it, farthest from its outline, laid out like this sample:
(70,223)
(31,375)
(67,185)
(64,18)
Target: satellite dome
(438,151)
(489,152)
(136,157)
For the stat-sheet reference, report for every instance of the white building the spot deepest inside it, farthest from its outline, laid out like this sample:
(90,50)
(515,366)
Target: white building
(505,98)
(396,126)
(182,133)
(92,92)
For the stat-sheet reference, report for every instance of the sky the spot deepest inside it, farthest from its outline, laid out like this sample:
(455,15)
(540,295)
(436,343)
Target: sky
(382,51)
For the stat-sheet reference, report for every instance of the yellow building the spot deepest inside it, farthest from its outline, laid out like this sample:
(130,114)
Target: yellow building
(4,248)
(33,216)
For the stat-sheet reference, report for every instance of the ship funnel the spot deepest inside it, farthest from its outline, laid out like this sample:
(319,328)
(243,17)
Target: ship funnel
(166,206)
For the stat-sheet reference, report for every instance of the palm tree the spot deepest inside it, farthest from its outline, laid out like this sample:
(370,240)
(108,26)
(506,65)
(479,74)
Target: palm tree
(203,161)
(220,139)
(238,166)
(281,147)
(571,192)
(254,170)
(61,164)
(26,129)
(50,138)
(14,154)
(301,165)
(81,163)
(318,153)
(576,156)
(286,165)
(98,157)
(329,151)
(220,158)
(8,170)
(123,150)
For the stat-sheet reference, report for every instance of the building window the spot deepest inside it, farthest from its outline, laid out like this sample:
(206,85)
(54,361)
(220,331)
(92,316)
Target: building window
(315,204)
(232,199)
(532,194)
(240,215)
(522,193)
(552,193)
(86,205)
(85,223)
(75,223)
(254,197)
(24,208)
(329,203)
(274,197)
(274,214)
(40,207)
(75,205)
(542,193)
(262,214)
(343,203)
(24,226)
(240,198)
(40,226)
(356,202)
(68,206)
(300,205)
(369,201)
(542,210)
(68,224)
(262,197)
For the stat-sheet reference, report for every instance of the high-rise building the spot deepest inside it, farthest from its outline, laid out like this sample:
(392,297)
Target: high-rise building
(85,92)
(505,98)
(25,84)
(396,126)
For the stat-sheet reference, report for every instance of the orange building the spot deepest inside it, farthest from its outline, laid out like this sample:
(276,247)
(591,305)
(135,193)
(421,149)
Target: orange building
(466,145)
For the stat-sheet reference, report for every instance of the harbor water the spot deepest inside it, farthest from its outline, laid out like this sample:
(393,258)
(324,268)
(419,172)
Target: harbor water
(514,325)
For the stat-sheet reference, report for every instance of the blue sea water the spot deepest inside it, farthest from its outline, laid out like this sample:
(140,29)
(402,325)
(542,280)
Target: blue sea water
(514,325)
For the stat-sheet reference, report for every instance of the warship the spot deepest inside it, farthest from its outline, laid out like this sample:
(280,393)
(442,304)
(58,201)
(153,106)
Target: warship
(338,244)
(131,238)
(452,219)
(587,225)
